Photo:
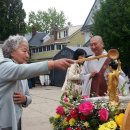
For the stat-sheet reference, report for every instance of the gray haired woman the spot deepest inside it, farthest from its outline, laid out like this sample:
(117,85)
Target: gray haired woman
(14,71)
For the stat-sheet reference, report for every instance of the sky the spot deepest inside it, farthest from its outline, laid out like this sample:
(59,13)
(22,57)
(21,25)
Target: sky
(76,11)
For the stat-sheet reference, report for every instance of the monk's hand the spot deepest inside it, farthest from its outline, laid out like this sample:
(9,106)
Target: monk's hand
(19,98)
(93,74)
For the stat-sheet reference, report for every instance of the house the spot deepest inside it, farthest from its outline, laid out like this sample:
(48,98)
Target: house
(57,76)
(1,53)
(28,36)
(35,39)
(52,44)
(89,21)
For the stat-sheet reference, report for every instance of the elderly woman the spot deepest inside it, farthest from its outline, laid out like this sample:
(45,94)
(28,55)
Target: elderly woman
(13,86)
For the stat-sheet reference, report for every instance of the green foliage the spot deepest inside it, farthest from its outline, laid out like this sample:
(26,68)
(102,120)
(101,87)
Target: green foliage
(58,123)
(112,22)
(46,21)
(12,17)
(123,89)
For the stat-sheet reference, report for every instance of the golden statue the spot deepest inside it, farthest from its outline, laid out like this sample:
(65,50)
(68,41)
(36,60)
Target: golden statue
(113,77)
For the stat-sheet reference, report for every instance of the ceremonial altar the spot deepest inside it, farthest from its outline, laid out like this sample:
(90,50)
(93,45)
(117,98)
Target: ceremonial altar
(95,113)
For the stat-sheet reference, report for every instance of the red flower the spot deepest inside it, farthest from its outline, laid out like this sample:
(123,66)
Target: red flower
(83,117)
(78,128)
(69,128)
(86,108)
(60,110)
(73,113)
(103,114)
(68,118)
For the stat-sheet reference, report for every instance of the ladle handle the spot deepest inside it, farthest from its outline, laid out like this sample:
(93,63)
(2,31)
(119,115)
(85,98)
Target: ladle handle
(91,58)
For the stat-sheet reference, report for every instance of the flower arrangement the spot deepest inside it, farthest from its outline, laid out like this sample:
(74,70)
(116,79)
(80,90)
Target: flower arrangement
(75,113)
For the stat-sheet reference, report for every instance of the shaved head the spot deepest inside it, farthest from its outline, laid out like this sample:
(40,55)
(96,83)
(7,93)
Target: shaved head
(97,45)
(98,38)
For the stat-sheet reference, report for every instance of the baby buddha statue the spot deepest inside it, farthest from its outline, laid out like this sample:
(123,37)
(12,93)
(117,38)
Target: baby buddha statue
(113,77)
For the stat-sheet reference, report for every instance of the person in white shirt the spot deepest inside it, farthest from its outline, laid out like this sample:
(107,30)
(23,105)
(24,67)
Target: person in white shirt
(92,74)
(72,83)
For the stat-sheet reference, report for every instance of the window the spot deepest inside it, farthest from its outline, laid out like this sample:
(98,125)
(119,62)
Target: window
(78,45)
(40,49)
(48,48)
(36,50)
(63,46)
(59,35)
(44,48)
(52,47)
(33,50)
(65,33)
(58,47)
(96,7)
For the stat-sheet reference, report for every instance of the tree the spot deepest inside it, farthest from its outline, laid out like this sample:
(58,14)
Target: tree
(112,22)
(12,17)
(46,21)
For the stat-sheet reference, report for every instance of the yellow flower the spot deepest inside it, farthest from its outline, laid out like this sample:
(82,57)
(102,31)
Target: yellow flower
(119,119)
(57,116)
(65,123)
(72,121)
(102,127)
(86,124)
(112,125)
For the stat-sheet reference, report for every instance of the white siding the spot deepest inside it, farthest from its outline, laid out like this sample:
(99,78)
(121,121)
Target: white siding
(1,54)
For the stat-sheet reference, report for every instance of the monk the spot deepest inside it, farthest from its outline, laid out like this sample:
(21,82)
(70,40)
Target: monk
(93,72)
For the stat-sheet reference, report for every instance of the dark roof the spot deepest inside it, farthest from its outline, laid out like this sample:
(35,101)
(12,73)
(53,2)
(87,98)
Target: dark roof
(37,39)
(52,41)
(87,49)
(72,49)
(61,53)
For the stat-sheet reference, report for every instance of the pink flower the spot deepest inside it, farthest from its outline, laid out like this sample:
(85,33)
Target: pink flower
(103,114)
(69,128)
(60,110)
(86,108)
(85,96)
(73,113)
(65,99)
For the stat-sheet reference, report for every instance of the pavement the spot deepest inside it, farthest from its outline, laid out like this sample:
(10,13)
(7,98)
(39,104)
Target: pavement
(45,99)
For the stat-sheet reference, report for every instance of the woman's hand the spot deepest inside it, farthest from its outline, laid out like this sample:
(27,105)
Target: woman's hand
(61,63)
